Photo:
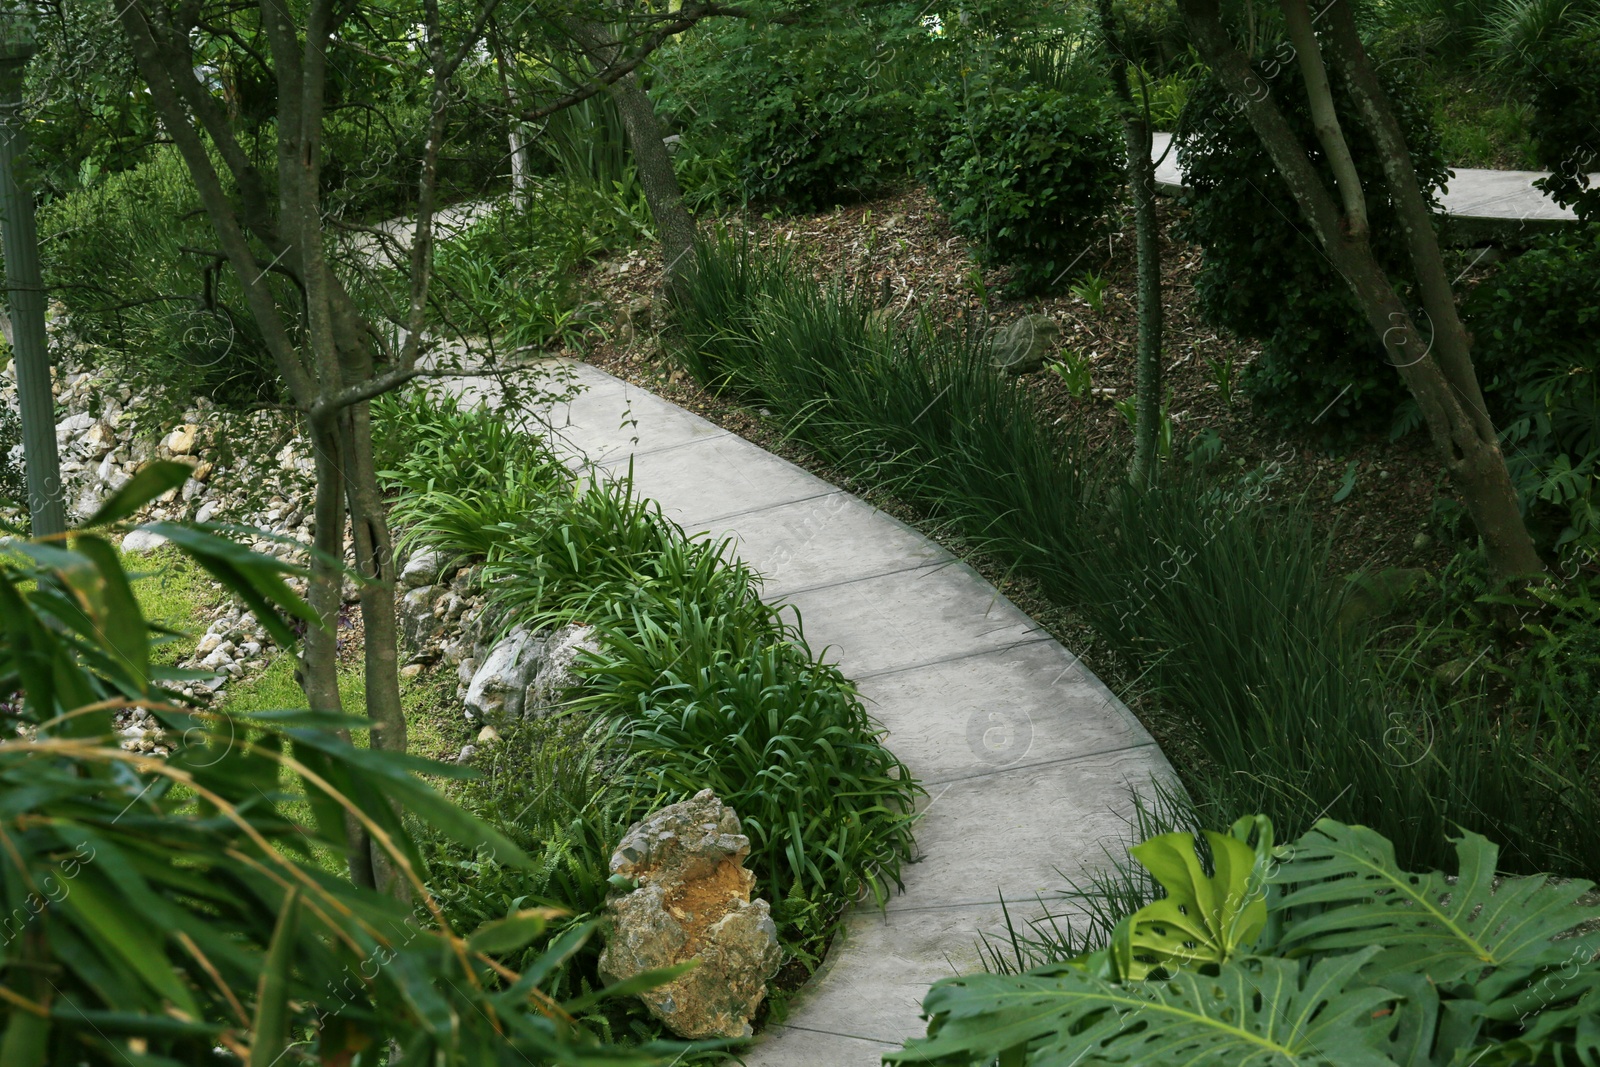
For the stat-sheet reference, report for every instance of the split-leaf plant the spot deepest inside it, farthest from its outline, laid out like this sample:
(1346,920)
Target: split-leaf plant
(1325,951)
(180,910)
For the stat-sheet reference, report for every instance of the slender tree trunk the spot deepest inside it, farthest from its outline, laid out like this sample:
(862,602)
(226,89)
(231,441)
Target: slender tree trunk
(1444,386)
(518,133)
(647,142)
(1141,172)
(674,227)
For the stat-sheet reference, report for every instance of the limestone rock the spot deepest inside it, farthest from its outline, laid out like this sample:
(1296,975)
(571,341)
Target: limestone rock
(1022,347)
(692,902)
(142,541)
(422,569)
(498,687)
(418,624)
(181,441)
(557,673)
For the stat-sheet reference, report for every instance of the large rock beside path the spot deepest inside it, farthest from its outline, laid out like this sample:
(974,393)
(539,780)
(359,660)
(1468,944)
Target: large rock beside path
(692,902)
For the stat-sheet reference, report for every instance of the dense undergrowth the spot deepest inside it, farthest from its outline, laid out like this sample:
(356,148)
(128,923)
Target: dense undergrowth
(1208,586)
(699,684)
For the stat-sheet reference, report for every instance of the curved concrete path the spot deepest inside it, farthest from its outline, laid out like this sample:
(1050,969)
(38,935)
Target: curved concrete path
(1484,204)
(1028,759)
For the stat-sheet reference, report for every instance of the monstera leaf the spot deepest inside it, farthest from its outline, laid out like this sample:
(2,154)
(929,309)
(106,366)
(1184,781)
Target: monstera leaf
(1202,919)
(1344,890)
(1252,1013)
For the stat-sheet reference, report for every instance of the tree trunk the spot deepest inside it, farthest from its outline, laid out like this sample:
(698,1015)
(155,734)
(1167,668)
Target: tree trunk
(1141,171)
(1444,388)
(674,227)
(661,189)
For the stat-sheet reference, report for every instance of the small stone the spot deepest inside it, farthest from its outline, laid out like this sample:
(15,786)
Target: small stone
(410,671)
(1021,347)
(1421,541)
(99,439)
(207,510)
(487,734)
(180,442)
(208,644)
(141,541)
(467,752)
(421,569)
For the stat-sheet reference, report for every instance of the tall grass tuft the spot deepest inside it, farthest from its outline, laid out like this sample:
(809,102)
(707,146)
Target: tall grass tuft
(1215,592)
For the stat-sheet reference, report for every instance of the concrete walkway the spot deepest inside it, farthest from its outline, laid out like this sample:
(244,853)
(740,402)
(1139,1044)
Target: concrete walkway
(1482,204)
(1028,759)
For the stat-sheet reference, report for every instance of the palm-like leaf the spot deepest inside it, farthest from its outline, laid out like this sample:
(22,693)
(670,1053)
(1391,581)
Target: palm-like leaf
(1252,1013)
(1344,890)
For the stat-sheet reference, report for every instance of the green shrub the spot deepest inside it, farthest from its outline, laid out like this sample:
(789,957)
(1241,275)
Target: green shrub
(810,117)
(1566,115)
(1026,171)
(699,683)
(708,687)
(165,908)
(1327,951)
(1216,594)
(155,314)
(1535,323)
(1264,276)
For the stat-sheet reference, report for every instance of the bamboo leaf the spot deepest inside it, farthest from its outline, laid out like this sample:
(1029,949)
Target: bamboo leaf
(271,1025)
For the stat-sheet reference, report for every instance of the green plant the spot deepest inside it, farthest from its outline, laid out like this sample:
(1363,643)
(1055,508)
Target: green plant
(1533,322)
(1073,369)
(1262,275)
(128,258)
(707,687)
(1212,589)
(1025,171)
(807,117)
(1566,108)
(1091,289)
(1325,952)
(167,908)
(1222,376)
(462,474)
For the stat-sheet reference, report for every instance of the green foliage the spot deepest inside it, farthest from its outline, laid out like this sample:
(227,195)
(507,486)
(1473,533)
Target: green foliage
(1345,957)
(510,276)
(1263,275)
(460,472)
(1566,111)
(1214,592)
(1535,323)
(169,908)
(809,116)
(1026,169)
(699,684)
(176,320)
(708,687)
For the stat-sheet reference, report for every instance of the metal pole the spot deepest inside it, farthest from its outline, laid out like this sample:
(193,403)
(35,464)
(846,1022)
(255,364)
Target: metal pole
(26,289)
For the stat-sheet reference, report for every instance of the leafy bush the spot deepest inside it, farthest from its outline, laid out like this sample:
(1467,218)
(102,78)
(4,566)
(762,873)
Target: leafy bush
(700,683)
(810,117)
(1216,594)
(1026,170)
(156,314)
(511,274)
(1264,277)
(1535,323)
(458,472)
(1567,114)
(174,909)
(1327,951)
(708,687)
